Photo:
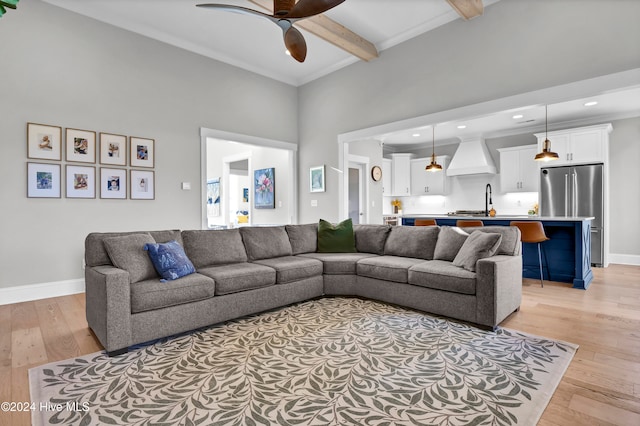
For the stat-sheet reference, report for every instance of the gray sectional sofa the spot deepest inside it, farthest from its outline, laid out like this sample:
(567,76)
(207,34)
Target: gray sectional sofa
(253,269)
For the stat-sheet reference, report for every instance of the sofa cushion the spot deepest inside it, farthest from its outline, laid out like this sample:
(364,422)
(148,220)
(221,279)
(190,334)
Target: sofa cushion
(292,268)
(477,246)
(338,263)
(95,253)
(240,277)
(412,241)
(265,242)
(450,240)
(336,238)
(169,260)
(303,238)
(371,238)
(443,275)
(152,294)
(127,252)
(511,236)
(388,268)
(214,247)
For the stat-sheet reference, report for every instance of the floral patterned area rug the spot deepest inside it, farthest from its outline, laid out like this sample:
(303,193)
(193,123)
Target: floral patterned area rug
(331,361)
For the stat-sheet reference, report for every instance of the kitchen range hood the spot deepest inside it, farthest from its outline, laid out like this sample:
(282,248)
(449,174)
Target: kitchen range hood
(471,158)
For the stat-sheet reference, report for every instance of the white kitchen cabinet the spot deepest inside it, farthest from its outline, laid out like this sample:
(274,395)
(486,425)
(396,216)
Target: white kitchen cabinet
(429,183)
(386,177)
(519,172)
(401,174)
(580,145)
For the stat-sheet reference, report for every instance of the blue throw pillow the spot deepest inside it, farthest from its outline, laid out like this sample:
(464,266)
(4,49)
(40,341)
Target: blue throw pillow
(170,260)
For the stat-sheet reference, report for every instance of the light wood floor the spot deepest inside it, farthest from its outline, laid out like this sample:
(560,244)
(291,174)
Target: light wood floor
(601,386)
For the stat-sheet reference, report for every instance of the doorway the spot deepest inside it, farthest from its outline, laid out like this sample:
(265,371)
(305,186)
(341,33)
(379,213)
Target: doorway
(357,190)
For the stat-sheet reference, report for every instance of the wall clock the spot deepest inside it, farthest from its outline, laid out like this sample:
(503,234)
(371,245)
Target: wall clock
(376,173)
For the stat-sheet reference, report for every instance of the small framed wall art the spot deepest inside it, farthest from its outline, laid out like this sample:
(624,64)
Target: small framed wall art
(142,185)
(81,146)
(113,183)
(81,181)
(113,149)
(316,179)
(44,142)
(142,152)
(264,196)
(43,180)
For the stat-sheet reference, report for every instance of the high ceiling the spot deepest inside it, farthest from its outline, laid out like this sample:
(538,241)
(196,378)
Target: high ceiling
(256,44)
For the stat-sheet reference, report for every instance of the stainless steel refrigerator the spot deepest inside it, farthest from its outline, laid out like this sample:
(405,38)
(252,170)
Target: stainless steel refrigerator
(575,191)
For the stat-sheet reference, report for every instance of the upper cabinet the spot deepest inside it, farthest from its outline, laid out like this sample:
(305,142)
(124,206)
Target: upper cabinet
(519,172)
(429,183)
(580,145)
(386,176)
(400,175)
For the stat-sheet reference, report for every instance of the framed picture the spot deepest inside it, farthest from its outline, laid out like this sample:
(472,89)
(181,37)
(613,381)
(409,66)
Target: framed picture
(81,146)
(142,152)
(81,181)
(43,180)
(316,179)
(113,149)
(142,185)
(113,183)
(264,196)
(44,142)
(213,197)
(245,195)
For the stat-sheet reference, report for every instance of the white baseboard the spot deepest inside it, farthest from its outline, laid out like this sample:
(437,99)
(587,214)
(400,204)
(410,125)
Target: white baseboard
(625,259)
(39,291)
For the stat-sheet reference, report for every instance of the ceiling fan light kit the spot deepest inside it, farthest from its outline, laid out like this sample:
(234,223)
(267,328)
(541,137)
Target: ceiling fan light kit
(285,14)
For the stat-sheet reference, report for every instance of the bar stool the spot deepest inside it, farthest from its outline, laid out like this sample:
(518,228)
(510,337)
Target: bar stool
(533,232)
(467,223)
(425,222)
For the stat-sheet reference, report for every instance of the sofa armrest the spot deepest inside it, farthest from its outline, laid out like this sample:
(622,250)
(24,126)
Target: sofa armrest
(498,288)
(108,305)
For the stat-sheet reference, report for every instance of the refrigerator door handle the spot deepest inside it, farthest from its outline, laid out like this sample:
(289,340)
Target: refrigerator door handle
(574,195)
(566,195)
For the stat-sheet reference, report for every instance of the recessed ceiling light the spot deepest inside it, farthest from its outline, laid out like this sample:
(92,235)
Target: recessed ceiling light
(462,126)
(518,116)
(416,135)
(591,103)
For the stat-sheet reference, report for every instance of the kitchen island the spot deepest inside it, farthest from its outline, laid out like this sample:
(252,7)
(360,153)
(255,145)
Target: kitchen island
(566,257)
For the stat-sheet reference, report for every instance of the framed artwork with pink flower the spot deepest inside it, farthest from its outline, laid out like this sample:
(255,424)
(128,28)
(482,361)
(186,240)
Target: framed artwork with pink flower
(264,188)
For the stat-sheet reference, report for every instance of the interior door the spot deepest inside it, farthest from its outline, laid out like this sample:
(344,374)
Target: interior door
(355,194)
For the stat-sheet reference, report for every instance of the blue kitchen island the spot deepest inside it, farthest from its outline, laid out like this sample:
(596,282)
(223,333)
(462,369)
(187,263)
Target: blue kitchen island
(566,257)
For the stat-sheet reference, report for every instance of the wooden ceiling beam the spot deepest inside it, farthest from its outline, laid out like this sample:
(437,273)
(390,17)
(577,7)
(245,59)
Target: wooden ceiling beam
(467,9)
(332,32)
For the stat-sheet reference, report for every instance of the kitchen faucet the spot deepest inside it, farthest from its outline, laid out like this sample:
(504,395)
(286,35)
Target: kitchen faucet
(487,199)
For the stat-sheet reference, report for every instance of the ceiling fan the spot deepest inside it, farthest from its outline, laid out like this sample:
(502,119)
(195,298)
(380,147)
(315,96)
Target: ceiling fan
(285,14)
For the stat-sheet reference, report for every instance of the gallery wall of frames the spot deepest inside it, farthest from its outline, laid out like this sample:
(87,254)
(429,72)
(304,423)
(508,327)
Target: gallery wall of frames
(125,168)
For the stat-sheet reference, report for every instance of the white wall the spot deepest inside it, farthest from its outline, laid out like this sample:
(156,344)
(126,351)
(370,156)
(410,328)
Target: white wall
(64,69)
(261,158)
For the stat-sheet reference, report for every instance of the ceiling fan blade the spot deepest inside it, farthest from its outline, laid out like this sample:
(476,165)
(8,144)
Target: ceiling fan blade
(295,43)
(238,9)
(306,8)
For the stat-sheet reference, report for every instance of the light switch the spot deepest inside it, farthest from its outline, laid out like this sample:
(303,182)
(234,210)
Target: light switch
(314,203)
(186,186)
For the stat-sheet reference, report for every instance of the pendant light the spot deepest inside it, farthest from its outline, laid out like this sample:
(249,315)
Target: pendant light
(434,166)
(546,154)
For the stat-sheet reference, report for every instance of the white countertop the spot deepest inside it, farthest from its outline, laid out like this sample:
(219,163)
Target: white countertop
(501,217)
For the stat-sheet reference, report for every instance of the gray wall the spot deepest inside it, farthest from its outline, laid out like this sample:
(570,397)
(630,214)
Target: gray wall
(517,46)
(64,69)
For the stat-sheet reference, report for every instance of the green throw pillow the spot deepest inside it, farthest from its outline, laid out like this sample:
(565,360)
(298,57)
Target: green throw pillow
(336,238)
